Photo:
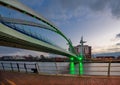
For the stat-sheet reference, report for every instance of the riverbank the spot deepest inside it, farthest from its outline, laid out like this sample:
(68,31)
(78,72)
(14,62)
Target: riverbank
(85,61)
(16,78)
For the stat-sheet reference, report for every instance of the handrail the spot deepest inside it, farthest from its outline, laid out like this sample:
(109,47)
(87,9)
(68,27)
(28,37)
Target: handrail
(56,69)
(35,68)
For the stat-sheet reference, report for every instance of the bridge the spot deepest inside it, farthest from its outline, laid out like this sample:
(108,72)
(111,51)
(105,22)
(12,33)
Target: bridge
(13,36)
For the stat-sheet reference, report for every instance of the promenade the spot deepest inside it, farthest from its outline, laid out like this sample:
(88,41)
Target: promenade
(16,78)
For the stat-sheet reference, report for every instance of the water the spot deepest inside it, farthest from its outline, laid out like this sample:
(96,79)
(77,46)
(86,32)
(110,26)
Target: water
(100,69)
(63,67)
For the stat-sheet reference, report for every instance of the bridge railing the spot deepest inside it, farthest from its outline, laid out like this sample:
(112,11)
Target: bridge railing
(20,67)
(89,68)
(29,32)
(34,67)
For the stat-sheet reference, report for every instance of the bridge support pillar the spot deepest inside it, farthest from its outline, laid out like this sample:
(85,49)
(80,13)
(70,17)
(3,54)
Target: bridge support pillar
(80,68)
(80,64)
(72,66)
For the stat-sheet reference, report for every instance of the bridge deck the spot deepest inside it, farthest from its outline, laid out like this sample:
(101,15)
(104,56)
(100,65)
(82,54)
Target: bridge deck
(15,78)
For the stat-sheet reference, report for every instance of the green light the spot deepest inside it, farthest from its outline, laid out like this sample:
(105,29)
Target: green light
(72,67)
(80,58)
(80,68)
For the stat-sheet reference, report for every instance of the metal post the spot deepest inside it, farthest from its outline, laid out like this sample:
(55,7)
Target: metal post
(109,65)
(11,66)
(82,47)
(37,68)
(18,67)
(72,67)
(3,66)
(35,65)
(56,68)
(25,67)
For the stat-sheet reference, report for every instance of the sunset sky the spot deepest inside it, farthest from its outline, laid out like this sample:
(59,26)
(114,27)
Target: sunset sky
(98,21)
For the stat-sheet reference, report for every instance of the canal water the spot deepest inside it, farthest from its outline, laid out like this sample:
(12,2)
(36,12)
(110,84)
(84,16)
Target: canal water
(63,67)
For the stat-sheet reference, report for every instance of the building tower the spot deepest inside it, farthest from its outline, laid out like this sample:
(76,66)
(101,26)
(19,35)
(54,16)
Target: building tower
(83,50)
(82,47)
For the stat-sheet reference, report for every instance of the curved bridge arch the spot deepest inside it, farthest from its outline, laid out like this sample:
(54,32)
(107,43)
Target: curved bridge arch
(25,22)
(14,4)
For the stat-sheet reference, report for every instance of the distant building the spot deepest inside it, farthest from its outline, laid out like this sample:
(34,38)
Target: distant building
(7,57)
(105,57)
(86,50)
(118,57)
(13,58)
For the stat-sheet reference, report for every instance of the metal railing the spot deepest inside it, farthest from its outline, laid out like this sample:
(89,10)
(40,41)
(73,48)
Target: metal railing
(20,67)
(108,69)
(33,68)
(88,68)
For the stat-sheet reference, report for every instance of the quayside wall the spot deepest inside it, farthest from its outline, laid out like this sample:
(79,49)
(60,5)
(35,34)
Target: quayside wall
(17,78)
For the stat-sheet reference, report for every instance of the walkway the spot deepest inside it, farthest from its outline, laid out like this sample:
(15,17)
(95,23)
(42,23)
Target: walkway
(15,78)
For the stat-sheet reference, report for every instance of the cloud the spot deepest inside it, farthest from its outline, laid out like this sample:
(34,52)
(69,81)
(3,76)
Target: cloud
(115,7)
(64,10)
(117,39)
(108,54)
(94,5)
(107,49)
(118,44)
(114,49)
(71,7)
(60,11)
(118,35)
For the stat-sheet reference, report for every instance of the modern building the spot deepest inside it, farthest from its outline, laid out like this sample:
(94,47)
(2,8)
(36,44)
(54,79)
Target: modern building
(86,50)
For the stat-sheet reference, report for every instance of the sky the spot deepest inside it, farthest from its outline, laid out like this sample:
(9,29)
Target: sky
(98,21)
